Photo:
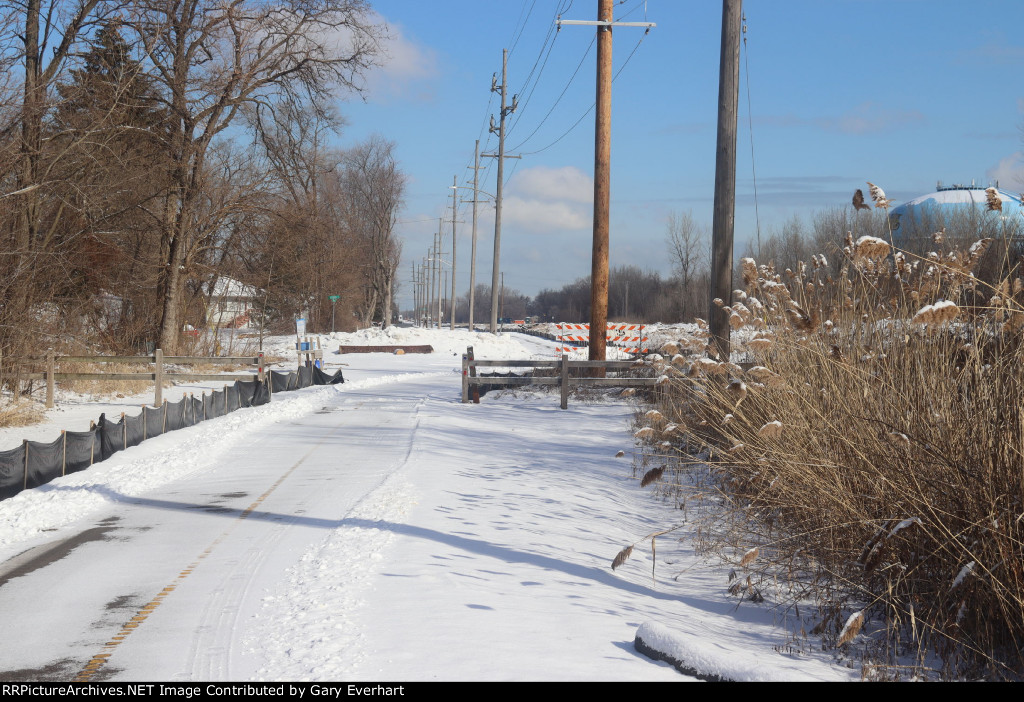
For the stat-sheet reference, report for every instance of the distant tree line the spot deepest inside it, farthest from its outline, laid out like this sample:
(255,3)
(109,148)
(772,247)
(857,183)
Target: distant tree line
(636,295)
(149,148)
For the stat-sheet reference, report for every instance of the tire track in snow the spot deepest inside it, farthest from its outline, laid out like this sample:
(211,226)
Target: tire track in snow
(304,629)
(100,659)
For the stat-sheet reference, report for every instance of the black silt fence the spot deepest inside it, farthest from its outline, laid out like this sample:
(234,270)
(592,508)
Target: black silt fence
(174,415)
(12,472)
(81,450)
(111,436)
(213,405)
(35,463)
(43,462)
(134,430)
(152,422)
(321,378)
(232,401)
(279,381)
(194,412)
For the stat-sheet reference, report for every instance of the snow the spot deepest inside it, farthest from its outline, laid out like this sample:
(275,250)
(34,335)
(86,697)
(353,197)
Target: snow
(961,196)
(376,530)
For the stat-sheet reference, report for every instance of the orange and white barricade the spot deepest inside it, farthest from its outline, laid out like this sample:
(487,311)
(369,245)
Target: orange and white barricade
(628,338)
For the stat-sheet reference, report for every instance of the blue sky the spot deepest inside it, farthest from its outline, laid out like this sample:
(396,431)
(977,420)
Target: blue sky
(903,93)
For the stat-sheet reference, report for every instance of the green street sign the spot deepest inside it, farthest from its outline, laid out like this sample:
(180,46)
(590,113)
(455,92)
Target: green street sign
(333,298)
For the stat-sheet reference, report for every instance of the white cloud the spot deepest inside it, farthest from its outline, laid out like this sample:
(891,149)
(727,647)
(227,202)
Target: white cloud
(542,216)
(546,199)
(1009,172)
(407,68)
(566,183)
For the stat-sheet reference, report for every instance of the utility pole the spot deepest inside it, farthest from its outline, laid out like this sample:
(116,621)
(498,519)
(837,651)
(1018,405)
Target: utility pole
(430,287)
(455,205)
(725,176)
(602,174)
(475,200)
(506,110)
(428,279)
(423,294)
(472,265)
(437,251)
(602,187)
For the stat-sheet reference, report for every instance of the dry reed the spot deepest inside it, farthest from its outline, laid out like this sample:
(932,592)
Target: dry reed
(895,480)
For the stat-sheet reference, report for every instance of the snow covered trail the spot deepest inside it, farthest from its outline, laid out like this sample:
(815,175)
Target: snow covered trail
(155,586)
(379,530)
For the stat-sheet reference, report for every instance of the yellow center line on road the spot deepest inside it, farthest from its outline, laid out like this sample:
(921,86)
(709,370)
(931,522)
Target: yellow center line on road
(98,660)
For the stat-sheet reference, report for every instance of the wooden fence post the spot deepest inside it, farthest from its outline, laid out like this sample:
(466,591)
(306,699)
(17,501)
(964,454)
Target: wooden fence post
(51,368)
(158,395)
(92,445)
(261,373)
(565,381)
(472,374)
(64,453)
(465,377)
(24,481)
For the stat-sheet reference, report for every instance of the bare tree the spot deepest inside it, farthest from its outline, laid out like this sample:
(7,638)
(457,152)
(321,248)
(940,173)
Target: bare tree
(211,60)
(308,218)
(48,39)
(688,249)
(375,187)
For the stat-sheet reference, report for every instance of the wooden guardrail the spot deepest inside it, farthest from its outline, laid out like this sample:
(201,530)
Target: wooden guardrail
(158,375)
(565,378)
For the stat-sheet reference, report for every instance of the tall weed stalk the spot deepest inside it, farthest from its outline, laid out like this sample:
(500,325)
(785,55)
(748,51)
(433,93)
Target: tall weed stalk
(873,451)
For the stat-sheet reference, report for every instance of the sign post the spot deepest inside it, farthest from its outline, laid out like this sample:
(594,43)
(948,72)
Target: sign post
(333,299)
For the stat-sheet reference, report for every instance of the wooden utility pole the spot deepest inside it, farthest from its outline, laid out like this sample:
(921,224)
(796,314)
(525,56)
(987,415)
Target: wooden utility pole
(506,110)
(437,255)
(472,263)
(430,286)
(455,207)
(725,176)
(602,186)
(602,174)
(423,295)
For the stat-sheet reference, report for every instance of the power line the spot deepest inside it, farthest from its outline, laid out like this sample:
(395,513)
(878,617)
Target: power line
(552,35)
(592,106)
(523,27)
(561,95)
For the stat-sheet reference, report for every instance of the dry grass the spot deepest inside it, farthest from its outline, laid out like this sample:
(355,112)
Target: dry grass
(103,387)
(21,414)
(875,456)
